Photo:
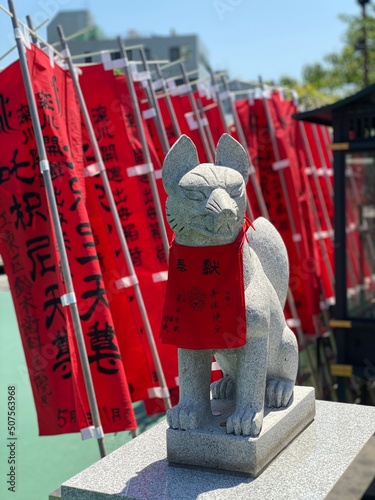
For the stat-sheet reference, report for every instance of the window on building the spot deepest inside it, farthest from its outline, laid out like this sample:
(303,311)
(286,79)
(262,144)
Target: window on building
(147,53)
(174,53)
(88,59)
(129,53)
(115,55)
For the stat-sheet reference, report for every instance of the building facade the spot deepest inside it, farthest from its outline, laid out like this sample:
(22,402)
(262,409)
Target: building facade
(171,47)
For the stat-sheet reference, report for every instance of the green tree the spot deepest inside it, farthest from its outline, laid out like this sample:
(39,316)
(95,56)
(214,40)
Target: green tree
(341,73)
(309,95)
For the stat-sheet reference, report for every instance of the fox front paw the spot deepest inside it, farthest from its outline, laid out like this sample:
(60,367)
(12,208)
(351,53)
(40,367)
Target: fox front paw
(224,388)
(278,392)
(186,416)
(246,421)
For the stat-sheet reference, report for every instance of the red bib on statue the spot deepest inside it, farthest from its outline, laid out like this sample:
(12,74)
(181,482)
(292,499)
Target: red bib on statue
(205,300)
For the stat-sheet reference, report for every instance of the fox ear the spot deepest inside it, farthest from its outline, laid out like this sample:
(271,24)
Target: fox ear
(230,153)
(181,158)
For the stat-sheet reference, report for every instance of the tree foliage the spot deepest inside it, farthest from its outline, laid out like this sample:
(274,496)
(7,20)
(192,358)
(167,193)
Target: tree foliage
(342,73)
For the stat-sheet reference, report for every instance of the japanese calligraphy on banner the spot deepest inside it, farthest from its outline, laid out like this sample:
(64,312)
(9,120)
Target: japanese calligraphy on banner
(113,119)
(187,122)
(205,302)
(212,113)
(312,175)
(288,220)
(31,259)
(247,114)
(167,120)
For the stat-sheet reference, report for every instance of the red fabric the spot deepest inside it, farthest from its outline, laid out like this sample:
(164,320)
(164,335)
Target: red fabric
(247,114)
(247,118)
(278,187)
(205,302)
(182,107)
(212,113)
(118,140)
(36,284)
(152,129)
(127,321)
(322,241)
(167,120)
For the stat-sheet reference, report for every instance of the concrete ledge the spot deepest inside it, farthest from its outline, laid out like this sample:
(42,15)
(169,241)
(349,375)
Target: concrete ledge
(55,495)
(308,468)
(212,447)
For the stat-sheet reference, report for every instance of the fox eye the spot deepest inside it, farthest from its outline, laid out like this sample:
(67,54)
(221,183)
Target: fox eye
(194,195)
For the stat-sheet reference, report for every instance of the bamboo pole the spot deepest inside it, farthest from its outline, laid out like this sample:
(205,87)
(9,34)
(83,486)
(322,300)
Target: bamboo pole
(69,297)
(117,221)
(194,107)
(168,101)
(146,151)
(252,173)
(153,102)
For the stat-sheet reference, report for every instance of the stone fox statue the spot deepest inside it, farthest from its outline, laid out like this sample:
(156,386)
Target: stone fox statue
(206,208)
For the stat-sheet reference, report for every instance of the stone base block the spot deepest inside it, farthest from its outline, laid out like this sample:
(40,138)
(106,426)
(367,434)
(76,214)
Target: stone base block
(308,468)
(212,447)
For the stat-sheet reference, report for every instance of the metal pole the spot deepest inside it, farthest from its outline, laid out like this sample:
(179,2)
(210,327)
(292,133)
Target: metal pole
(206,126)
(291,302)
(15,46)
(31,26)
(194,107)
(146,152)
(70,295)
(313,206)
(326,139)
(168,101)
(252,173)
(154,103)
(116,218)
(281,173)
(324,253)
(34,33)
(219,101)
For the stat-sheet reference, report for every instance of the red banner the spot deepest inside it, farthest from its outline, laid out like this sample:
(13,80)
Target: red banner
(319,207)
(205,302)
(247,113)
(31,258)
(113,119)
(188,123)
(281,188)
(212,113)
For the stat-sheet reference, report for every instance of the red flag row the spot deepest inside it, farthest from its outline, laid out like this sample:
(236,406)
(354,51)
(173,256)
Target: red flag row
(291,166)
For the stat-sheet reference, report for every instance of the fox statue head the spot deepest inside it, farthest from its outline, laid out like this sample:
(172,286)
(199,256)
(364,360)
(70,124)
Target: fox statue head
(206,202)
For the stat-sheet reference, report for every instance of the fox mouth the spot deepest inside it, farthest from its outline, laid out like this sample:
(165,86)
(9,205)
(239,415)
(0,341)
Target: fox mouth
(210,224)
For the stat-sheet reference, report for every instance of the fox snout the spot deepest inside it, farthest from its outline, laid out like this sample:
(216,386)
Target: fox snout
(222,205)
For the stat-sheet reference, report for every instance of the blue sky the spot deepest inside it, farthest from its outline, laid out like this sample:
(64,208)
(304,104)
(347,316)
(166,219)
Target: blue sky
(247,37)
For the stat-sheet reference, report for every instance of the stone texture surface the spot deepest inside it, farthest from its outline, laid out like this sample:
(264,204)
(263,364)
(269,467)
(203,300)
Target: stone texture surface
(307,469)
(211,447)
(206,207)
(359,476)
(55,495)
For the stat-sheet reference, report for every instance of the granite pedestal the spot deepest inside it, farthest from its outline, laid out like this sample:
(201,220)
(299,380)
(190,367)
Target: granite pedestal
(308,468)
(212,447)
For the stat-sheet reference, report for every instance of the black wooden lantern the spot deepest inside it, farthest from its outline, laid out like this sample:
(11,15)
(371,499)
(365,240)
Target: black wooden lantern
(353,122)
